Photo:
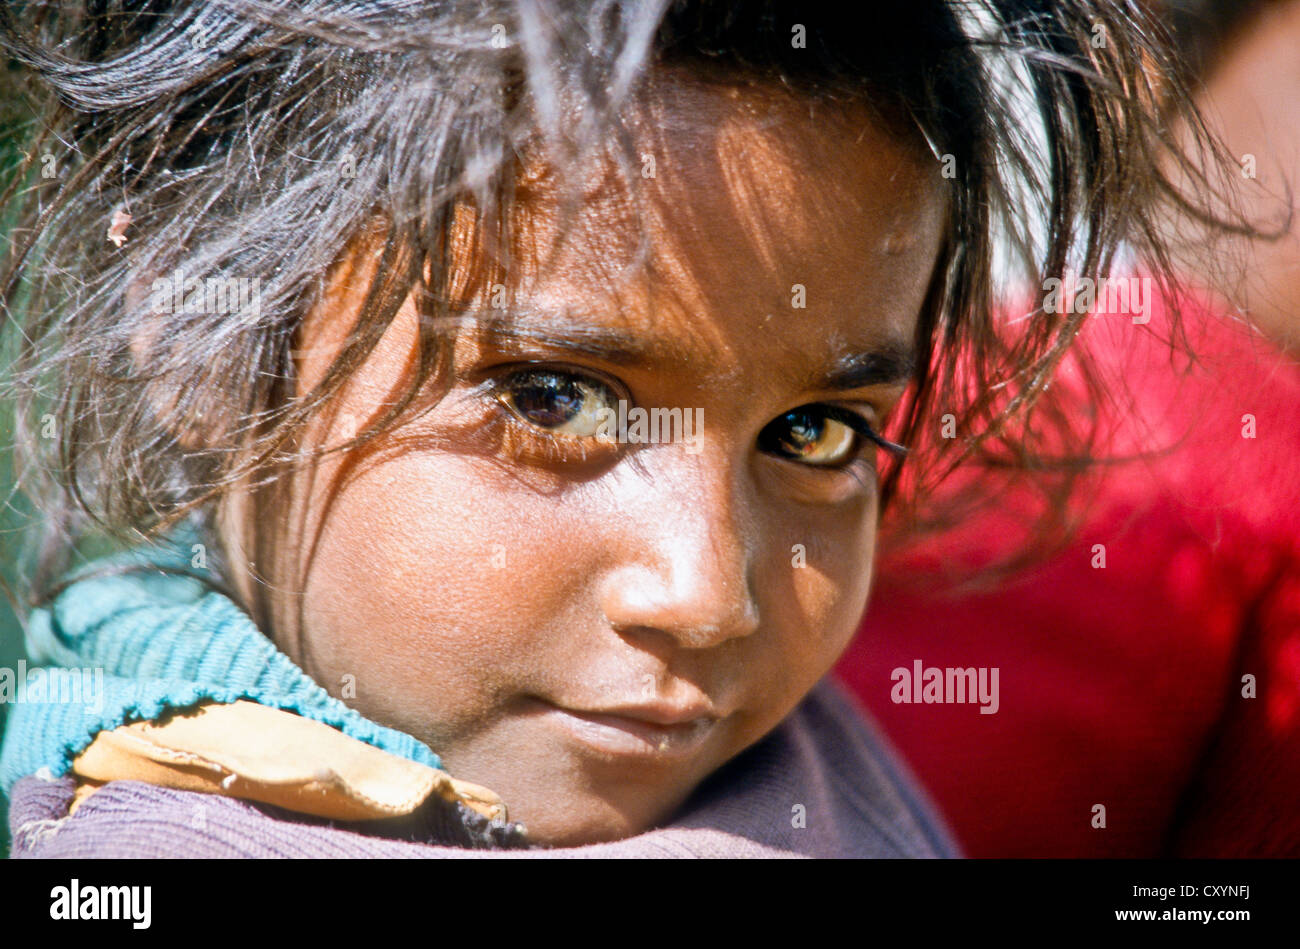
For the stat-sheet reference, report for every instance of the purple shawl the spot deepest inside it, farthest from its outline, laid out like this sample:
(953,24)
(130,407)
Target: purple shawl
(825,783)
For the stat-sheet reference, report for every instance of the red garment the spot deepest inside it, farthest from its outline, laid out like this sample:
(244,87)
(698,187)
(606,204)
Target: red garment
(1122,686)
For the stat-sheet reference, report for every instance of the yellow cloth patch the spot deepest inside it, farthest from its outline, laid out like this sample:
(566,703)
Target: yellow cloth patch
(265,754)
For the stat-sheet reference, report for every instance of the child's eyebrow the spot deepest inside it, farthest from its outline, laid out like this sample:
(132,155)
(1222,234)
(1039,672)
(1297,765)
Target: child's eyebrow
(606,343)
(890,363)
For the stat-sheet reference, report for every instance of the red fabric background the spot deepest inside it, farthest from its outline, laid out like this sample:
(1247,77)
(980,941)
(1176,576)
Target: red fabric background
(1122,686)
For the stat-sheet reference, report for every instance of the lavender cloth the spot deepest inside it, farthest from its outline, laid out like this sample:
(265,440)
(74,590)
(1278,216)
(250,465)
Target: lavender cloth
(857,800)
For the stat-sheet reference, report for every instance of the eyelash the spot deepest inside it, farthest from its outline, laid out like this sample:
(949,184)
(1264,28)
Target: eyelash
(856,422)
(521,437)
(525,442)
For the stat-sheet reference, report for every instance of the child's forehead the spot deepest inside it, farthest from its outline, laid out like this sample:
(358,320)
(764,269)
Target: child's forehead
(714,136)
(737,201)
(800,250)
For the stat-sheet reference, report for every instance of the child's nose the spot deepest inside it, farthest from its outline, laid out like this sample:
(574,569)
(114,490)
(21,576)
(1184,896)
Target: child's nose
(684,568)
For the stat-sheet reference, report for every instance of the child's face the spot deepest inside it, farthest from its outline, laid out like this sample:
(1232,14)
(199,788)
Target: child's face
(591,629)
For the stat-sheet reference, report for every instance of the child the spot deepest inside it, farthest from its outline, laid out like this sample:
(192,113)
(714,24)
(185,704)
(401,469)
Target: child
(499,390)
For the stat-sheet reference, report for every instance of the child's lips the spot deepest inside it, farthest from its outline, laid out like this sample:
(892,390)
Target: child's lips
(645,731)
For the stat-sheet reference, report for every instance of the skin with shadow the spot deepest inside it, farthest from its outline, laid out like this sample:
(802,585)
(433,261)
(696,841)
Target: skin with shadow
(1251,99)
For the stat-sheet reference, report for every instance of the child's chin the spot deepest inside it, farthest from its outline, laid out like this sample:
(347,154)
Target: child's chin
(571,789)
(575,818)
(595,828)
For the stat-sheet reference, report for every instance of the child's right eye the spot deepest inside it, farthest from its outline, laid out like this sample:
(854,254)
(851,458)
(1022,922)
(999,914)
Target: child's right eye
(562,403)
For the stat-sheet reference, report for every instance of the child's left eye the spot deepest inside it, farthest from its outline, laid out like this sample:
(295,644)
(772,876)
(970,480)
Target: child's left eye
(811,436)
(563,403)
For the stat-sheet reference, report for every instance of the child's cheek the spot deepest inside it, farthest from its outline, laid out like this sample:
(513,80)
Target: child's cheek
(830,599)
(829,580)
(432,586)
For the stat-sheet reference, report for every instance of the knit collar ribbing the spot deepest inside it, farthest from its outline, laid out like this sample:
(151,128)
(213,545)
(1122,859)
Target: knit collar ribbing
(156,637)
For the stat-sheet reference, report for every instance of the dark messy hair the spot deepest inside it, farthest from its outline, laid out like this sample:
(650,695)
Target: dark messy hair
(261,137)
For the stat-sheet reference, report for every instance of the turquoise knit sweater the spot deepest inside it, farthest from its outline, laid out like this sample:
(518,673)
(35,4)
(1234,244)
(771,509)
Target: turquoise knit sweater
(157,641)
